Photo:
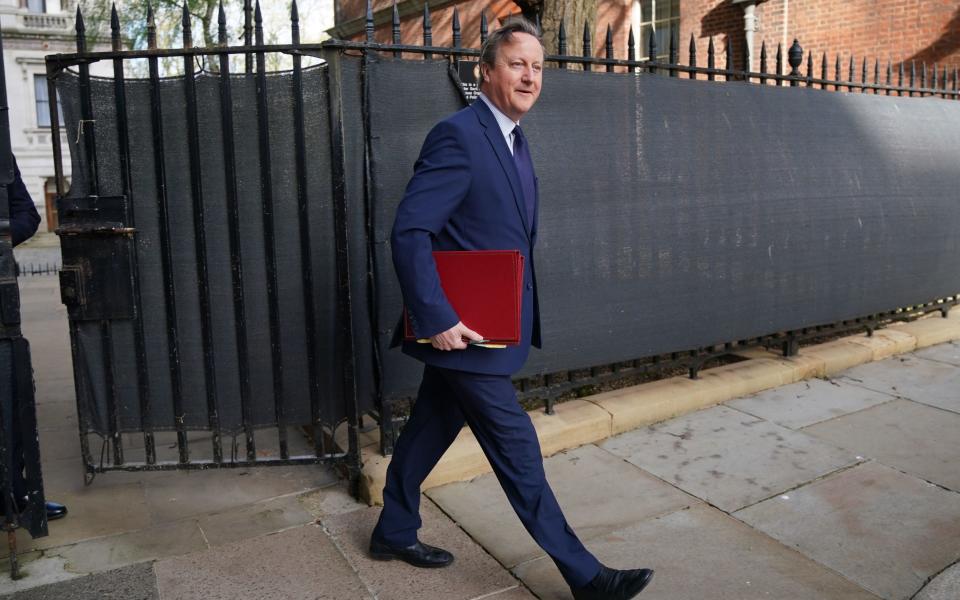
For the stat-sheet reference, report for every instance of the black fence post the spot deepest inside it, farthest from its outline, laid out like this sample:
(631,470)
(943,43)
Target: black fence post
(456,27)
(824,73)
(427,30)
(200,242)
(394,26)
(231,179)
(795,56)
(851,78)
(562,45)
(693,55)
(587,45)
(763,62)
(608,46)
(367,24)
(269,235)
(779,72)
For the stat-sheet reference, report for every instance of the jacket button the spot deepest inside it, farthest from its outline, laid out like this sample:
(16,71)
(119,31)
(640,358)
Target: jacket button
(529,286)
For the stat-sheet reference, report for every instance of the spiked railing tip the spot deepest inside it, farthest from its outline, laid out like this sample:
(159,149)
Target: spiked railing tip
(368,23)
(294,13)
(79,21)
(456,27)
(114,19)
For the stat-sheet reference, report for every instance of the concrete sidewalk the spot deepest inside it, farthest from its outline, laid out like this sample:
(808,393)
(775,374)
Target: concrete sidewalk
(847,487)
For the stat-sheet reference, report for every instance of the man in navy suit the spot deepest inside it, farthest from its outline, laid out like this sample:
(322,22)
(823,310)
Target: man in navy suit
(24,221)
(474,188)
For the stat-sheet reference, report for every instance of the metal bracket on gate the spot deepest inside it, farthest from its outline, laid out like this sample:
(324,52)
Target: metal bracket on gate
(96,238)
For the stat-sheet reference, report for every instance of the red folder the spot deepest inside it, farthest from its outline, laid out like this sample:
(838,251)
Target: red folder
(485,288)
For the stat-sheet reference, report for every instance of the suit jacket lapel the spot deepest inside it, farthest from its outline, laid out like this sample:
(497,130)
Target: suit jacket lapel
(499,145)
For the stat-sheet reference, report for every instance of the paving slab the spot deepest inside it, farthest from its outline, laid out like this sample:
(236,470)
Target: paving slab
(807,402)
(699,553)
(56,444)
(93,513)
(598,491)
(136,582)
(116,551)
(882,529)
(66,475)
(945,586)
(921,440)
(329,501)
(295,564)
(474,572)
(187,493)
(928,381)
(35,570)
(253,520)
(728,458)
(58,416)
(946,353)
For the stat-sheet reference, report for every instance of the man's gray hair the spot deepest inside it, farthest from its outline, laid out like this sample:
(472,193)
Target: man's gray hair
(488,52)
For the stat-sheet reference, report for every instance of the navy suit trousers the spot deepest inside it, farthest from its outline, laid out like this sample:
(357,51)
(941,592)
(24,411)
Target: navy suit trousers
(488,404)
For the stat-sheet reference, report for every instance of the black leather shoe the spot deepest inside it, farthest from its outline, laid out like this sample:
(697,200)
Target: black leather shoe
(611,584)
(418,555)
(55,510)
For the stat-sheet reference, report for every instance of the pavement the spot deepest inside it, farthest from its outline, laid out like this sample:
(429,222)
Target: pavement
(846,487)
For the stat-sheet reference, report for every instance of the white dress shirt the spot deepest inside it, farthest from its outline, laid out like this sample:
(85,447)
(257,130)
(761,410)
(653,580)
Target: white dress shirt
(506,125)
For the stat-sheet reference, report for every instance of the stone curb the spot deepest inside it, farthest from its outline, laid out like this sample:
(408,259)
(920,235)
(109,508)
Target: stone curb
(600,416)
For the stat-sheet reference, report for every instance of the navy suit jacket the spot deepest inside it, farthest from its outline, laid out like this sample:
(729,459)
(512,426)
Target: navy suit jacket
(24,218)
(465,194)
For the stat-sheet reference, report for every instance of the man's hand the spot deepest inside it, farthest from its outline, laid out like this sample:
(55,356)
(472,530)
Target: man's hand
(452,339)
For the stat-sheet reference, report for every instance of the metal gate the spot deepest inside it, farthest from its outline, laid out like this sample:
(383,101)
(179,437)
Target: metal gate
(204,257)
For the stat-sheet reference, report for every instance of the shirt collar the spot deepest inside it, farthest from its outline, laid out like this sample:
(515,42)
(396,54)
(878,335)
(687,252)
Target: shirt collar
(505,123)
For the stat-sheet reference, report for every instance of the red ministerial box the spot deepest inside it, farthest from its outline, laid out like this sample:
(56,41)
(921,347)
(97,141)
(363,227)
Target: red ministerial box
(485,288)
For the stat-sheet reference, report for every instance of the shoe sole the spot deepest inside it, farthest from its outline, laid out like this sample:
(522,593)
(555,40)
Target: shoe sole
(383,556)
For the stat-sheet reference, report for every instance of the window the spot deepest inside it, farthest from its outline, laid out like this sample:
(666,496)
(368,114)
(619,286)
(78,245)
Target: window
(660,18)
(36,6)
(43,102)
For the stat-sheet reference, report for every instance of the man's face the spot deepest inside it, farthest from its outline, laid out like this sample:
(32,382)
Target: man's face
(512,83)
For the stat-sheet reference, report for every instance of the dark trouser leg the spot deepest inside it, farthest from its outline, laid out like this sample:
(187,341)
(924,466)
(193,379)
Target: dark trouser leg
(434,423)
(508,439)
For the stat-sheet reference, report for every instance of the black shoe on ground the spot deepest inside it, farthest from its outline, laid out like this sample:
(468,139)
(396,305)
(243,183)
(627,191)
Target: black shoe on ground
(611,584)
(55,511)
(418,555)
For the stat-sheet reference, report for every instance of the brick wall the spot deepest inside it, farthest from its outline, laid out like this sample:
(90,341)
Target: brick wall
(894,30)
(888,30)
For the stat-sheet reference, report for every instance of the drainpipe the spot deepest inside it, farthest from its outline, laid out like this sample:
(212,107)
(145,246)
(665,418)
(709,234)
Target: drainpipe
(750,24)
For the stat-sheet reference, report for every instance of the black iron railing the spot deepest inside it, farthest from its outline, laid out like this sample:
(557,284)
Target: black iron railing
(917,82)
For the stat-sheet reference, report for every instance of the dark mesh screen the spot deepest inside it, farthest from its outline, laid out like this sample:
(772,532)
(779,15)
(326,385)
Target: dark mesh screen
(677,214)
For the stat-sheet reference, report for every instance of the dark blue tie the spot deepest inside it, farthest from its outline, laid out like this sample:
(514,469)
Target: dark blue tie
(521,158)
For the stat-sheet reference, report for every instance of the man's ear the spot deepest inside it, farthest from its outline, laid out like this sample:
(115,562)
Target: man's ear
(484,68)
